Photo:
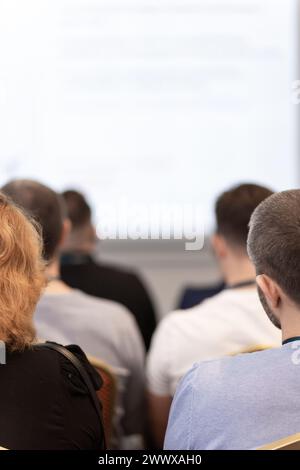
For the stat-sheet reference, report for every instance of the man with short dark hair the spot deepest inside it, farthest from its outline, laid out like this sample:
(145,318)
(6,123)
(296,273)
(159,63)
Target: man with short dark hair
(228,323)
(45,206)
(233,209)
(81,271)
(251,400)
(102,328)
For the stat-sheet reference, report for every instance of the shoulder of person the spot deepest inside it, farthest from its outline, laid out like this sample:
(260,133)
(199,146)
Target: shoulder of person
(230,367)
(117,271)
(176,318)
(224,299)
(81,356)
(98,304)
(68,370)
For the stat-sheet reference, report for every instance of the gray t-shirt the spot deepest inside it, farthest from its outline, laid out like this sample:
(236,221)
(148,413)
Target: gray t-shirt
(103,329)
(238,403)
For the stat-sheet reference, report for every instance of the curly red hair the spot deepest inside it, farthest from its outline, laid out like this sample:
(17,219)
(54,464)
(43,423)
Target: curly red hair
(22,276)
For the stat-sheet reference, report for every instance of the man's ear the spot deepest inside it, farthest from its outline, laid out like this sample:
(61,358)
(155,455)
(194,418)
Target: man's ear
(219,245)
(66,229)
(270,289)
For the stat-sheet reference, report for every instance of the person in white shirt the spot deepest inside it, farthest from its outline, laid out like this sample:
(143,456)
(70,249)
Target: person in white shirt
(102,328)
(231,322)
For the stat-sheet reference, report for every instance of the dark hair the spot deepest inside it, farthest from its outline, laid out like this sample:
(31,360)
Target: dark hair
(234,209)
(79,211)
(274,241)
(42,204)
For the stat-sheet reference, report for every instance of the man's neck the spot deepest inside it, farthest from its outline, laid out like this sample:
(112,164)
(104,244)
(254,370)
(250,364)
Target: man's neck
(290,323)
(238,270)
(81,240)
(55,284)
(80,249)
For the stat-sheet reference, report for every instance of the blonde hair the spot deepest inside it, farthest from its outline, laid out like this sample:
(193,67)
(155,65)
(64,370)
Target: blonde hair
(22,276)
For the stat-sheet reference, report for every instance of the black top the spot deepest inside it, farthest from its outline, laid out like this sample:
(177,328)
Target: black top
(44,404)
(193,296)
(81,272)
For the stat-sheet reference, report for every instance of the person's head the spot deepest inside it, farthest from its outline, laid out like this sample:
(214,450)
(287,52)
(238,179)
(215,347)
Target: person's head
(46,207)
(274,248)
(21,275)
(233,210)
(82,235)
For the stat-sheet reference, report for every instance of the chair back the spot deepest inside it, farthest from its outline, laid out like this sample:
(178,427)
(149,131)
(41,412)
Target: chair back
(107,395)
(287,443)
(252,349)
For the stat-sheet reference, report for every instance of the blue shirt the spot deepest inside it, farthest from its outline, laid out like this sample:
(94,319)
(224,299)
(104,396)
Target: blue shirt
(240,402)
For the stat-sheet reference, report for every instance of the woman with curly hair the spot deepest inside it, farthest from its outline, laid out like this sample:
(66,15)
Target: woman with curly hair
(44,402)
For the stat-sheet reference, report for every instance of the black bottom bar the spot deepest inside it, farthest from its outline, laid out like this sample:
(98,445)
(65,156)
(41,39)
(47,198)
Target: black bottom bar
(143,458)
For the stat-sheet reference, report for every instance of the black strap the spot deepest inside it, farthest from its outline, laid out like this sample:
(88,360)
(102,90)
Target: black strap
(238,285)
(84,375)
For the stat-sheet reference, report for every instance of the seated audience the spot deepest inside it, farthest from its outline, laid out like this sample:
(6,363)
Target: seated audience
(250,400)
(81,271)
(44,404)
(100,327)
(228,323)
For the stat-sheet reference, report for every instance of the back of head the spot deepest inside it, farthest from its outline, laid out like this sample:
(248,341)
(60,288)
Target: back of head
(44,205)
(274,241)
(21,275)
(78,210)
(234,209)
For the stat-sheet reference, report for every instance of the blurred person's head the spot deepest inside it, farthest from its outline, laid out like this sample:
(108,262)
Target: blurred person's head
(21,275)
(46,207)
(233,210)
(274,248)
(82,236)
